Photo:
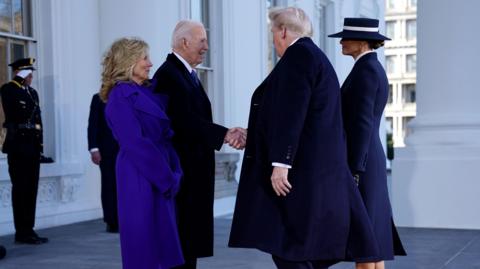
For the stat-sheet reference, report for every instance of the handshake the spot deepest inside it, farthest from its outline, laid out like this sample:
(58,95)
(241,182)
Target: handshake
(236,137)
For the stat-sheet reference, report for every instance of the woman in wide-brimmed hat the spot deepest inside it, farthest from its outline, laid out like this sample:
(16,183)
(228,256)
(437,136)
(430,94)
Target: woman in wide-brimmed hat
(364,96)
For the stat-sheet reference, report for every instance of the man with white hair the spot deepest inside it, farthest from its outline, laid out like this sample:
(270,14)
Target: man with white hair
(195,140)
(297,199)
(23,146)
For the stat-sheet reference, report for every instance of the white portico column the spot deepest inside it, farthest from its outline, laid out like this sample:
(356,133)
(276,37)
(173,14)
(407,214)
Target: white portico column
(436,177)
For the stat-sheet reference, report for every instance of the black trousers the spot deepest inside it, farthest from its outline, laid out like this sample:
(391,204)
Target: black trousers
(189,264)
(284,264)
(109,190)
(24,170)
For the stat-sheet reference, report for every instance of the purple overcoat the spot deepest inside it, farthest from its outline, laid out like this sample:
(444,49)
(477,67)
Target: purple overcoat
(148,176)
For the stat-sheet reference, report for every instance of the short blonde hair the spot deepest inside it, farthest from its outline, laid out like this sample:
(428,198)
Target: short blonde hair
(293,19)
(119,61)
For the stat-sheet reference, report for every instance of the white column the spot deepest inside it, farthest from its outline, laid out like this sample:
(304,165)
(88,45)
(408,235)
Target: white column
(436,181)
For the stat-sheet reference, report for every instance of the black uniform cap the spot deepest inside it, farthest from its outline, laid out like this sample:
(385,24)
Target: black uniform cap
(22,64)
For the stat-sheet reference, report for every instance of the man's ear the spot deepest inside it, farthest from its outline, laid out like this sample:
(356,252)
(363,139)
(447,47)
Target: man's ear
(184,42)
(284,32)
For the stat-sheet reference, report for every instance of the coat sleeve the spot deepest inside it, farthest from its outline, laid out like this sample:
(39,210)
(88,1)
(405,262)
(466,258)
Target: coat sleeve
(93,118)
(148,158)
(186,121)
(291,90)
(362,117)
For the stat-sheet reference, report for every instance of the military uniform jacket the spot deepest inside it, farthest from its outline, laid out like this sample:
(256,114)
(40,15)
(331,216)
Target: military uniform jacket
(22,119)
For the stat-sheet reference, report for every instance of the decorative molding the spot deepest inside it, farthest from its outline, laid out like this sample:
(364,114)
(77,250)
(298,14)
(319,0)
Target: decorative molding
(5,195)
(225,168)
(69,189)
(50,191)
(47,191)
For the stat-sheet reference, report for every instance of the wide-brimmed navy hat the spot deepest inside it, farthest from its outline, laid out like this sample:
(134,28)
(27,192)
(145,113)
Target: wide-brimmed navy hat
(361,29)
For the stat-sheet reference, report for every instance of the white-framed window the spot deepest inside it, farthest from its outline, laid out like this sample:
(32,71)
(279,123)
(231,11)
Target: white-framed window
(409,93)
(405,129)
(272,54)
(411,63)
(390,94)
(15,34)
(392,4)
(411,29)
(200,11)
(16,40)
(390,62)
(412,4)
(391,29)
(389,124)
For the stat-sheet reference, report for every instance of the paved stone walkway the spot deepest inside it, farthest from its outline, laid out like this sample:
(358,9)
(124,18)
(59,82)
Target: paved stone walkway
(86,246)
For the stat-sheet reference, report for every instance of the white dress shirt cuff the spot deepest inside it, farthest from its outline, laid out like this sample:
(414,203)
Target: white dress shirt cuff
(94,150)
(282,165)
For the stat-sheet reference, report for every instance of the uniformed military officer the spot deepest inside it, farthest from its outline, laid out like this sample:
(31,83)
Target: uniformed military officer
(23,146)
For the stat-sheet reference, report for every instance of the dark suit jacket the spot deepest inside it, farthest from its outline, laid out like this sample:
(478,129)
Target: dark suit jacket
(99,134)
(21,106)
(196,137)
(364,96)
(295,118)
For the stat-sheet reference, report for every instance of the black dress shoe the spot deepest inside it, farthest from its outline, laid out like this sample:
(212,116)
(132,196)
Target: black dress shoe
(3,252)
(112,228)
(41,239)
(31,240)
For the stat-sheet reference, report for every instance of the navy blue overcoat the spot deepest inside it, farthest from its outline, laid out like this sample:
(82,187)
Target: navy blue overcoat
(196,139)
(364,96)
(295,118)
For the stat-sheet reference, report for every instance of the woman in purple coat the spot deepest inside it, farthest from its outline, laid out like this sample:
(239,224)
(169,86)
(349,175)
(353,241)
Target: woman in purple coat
(364,96)
(148,170)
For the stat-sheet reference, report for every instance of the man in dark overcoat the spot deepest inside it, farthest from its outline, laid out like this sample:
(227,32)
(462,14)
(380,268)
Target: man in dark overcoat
(195,140)
(23,145)
(297,199)
(103,152)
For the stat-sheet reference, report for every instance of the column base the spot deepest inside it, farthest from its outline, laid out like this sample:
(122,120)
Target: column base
(436,186)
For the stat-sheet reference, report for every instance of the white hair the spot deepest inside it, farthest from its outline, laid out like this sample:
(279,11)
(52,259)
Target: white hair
(293,19)
(183,30)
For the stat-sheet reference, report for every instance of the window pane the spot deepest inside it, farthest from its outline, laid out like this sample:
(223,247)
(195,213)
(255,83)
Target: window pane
(3,61)
(17,51)
(5,16)
(389,122)
(391,29)
(412,3)
(390,60)
(18,17)
(411,29)
(405,129)
(199,12)
(322,29)
(409,93)
(390,93)
(391,4)
(411,63)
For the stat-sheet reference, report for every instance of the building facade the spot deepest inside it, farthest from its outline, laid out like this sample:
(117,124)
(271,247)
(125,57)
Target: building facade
(401,66)
(68,39)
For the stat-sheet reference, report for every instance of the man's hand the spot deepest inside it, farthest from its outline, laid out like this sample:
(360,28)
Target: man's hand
(279,179)
(236,137)
(96,157)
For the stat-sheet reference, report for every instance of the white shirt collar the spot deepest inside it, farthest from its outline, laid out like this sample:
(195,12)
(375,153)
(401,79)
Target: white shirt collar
(362,54)
(294,41)
(189,68)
